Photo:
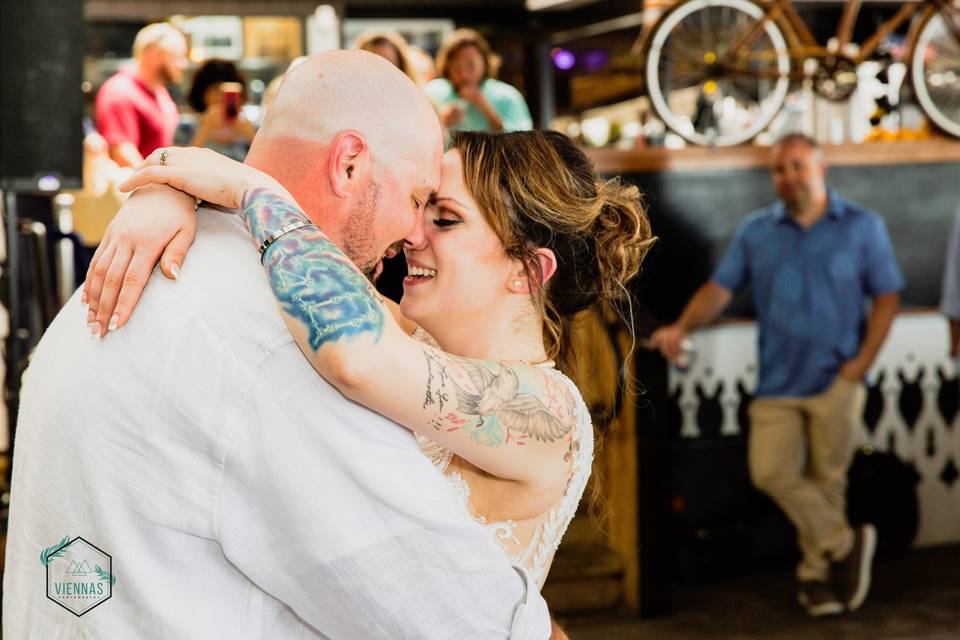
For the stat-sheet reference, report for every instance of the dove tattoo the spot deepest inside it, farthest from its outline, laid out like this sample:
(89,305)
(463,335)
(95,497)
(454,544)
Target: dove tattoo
(490,393)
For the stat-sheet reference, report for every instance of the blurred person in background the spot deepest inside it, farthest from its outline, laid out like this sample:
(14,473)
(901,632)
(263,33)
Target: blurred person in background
(468,95)
(134,111)
(422,62)
(217,95)
(813,260)
(390,45)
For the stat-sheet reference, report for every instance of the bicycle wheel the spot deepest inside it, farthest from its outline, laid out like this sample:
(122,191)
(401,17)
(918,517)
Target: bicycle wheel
(705,90)
(935,72)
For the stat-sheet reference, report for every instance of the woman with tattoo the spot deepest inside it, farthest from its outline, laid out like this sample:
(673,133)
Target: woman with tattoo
(521,235)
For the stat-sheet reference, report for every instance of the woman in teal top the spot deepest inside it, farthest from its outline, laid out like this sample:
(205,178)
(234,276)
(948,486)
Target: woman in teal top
(467,96)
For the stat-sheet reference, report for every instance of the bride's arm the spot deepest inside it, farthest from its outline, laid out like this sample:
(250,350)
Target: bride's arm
(511,420)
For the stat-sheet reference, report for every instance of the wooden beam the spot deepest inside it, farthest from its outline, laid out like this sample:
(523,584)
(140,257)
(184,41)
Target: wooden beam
(615,161)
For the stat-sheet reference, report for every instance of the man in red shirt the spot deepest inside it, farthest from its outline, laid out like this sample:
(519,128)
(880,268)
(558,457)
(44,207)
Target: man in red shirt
(135,113)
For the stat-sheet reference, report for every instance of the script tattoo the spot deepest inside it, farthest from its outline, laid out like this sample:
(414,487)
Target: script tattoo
(312,279)
(437,377)
(493,406)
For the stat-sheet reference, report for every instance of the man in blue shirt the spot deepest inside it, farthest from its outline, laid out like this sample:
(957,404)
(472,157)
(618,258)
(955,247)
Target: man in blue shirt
(812,259)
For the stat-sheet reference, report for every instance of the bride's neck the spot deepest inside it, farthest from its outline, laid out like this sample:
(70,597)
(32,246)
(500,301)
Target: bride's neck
(511,337)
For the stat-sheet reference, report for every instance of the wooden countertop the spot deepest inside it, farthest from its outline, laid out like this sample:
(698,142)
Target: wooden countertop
(614,161)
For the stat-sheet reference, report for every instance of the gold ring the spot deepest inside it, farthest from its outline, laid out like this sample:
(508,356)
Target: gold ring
(163,157)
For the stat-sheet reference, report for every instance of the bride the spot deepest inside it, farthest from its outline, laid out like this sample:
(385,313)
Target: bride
(521,235)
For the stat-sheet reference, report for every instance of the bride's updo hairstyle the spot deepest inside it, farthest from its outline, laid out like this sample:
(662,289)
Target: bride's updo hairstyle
(538,189)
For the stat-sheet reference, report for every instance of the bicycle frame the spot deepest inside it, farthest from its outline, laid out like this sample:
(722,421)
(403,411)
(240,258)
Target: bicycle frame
(803,45)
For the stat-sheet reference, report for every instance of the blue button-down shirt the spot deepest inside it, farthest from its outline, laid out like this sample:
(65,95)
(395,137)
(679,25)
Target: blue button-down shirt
(809,289)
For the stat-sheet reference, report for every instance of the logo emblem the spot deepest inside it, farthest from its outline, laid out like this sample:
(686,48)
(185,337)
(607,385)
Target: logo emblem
(79,575)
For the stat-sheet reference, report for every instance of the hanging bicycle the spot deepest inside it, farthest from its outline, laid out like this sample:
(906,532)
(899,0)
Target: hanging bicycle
(718,71)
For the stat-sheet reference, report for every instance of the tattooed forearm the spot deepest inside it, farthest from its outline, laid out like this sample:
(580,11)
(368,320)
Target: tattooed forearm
(497,404)
(312,279)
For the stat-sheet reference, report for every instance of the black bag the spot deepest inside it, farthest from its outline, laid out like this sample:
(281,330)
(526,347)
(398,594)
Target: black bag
(882,489)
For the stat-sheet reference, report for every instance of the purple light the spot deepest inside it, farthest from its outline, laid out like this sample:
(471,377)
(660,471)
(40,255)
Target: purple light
(595,60)
(563,59)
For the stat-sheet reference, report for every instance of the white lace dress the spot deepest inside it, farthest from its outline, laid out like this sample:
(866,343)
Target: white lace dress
(549,527)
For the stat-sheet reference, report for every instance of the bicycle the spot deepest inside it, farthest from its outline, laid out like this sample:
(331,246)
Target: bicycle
(718,71)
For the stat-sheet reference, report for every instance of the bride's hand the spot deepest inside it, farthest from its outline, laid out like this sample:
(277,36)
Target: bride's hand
(203,173)
(154,220)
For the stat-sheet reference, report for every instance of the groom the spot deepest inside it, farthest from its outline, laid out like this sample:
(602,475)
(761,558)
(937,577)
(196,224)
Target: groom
(193,477)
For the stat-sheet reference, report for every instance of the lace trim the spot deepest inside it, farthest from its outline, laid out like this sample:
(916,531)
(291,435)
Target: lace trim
(439,456)
(548,534)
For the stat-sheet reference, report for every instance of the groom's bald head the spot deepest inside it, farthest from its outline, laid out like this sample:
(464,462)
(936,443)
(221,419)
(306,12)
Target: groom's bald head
(355,142)
(338,90)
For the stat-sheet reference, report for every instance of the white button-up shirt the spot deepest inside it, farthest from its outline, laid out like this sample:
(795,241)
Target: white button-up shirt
(238,494)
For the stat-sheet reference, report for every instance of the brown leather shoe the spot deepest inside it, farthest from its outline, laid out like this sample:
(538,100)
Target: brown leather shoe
(819,598)
(851,576)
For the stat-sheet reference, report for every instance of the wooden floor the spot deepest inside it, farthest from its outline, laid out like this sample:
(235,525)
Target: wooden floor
(915,596)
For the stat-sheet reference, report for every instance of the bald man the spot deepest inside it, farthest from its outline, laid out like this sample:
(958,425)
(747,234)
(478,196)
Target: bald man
(192,476)
(134,111)
(813,259)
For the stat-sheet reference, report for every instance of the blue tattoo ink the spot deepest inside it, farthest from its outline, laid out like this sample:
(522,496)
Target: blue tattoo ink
(312,279)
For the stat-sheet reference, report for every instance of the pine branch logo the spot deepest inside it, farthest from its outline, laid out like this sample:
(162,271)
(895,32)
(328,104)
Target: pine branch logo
(71,583)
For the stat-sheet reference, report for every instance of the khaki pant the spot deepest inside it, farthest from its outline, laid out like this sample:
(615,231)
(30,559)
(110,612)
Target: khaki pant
(800,449)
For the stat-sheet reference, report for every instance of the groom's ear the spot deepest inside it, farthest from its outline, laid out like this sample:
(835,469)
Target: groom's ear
(349,162)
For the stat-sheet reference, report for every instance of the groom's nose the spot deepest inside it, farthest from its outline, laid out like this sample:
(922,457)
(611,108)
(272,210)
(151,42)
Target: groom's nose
(416,239)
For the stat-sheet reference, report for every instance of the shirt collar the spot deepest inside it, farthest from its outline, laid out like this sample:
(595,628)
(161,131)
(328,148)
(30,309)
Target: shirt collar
(835,208)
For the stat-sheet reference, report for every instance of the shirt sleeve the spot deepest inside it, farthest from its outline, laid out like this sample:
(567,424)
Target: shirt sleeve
(950,296)
(512,109)
(733,271)
(334,511)
(117,118)
(882,271)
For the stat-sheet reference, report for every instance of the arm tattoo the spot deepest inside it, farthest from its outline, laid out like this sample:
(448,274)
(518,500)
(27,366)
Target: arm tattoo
(496,405)
(312,279)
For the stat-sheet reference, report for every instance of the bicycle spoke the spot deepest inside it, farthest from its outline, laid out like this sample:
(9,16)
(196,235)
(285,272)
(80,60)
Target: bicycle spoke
(708,27)
(683,53)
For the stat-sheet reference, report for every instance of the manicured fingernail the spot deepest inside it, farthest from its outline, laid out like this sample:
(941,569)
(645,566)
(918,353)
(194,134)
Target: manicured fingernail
(91,315)
(83,297)
(114,320)
(175,270)
(95,330)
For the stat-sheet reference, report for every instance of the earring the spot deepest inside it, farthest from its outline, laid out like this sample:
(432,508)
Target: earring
(518,283)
